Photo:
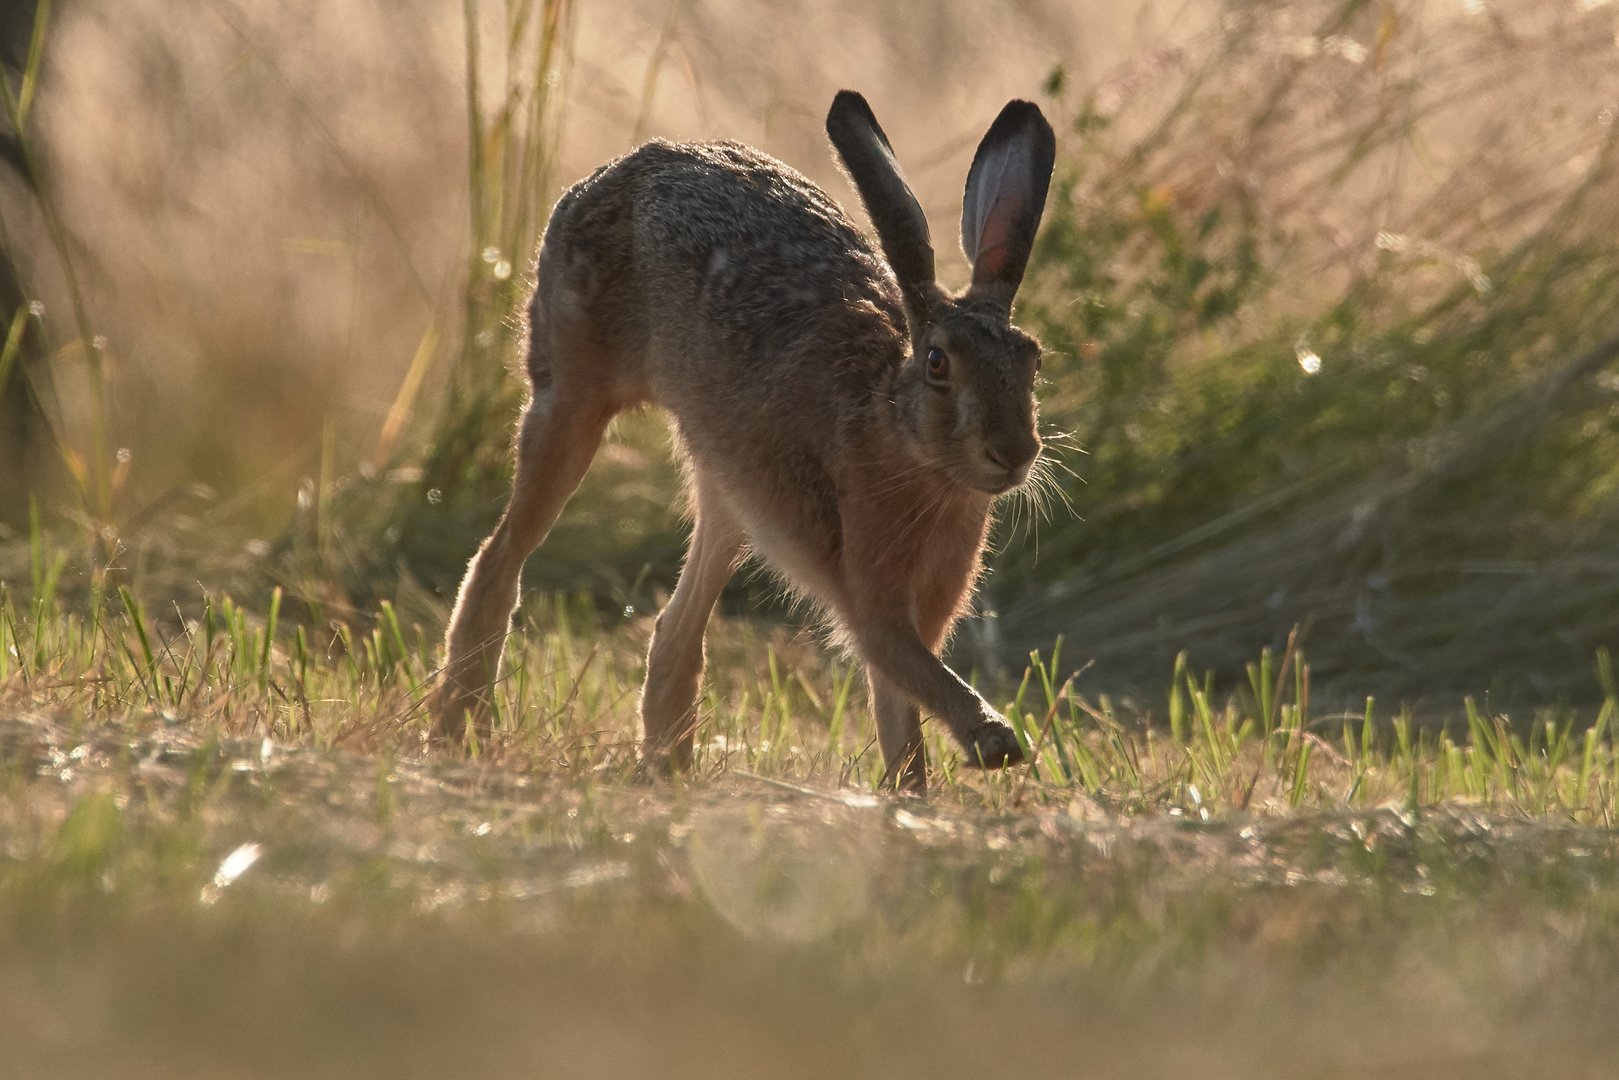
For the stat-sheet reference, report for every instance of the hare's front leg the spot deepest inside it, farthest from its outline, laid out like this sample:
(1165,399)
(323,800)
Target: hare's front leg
(893,646)
(555,445)
(899,734)
(674,667)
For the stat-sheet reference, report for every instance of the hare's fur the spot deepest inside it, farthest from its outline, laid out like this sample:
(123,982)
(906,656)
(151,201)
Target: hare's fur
(719,284)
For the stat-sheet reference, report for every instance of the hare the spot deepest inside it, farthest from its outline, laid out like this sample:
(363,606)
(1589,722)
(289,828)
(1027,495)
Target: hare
(844,417)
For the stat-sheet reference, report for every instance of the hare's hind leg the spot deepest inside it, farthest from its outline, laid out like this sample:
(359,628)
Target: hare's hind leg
(555,444)
(899,734)
(674,667)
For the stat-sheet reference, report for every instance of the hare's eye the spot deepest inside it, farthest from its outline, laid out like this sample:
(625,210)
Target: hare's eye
(938,365)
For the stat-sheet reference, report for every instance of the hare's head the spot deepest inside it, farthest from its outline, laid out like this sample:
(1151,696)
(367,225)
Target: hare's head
(966,391)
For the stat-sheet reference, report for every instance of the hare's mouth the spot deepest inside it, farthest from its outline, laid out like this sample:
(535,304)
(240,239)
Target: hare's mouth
(993,478)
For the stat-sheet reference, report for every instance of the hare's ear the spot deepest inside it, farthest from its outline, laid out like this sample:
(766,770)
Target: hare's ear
(897,216)
(1006,194)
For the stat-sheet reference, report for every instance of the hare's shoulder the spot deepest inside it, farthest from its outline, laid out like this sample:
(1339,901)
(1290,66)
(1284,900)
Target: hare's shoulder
(726,171)
(729,192)
(717,205)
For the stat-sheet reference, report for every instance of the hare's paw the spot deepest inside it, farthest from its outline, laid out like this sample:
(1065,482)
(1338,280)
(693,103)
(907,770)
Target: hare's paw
(653,769)
(992,745)
(662,762)
(449,707)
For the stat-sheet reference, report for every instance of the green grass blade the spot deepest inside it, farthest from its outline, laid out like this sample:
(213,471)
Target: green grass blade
(36,52)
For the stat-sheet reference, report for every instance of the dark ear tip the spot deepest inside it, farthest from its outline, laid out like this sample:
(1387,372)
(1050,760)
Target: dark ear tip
(848,103)
(1024,119)
(1021,114)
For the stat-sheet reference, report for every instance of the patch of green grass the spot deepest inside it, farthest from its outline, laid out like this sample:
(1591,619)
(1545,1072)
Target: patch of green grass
(778,707)
(229,817)
(197,895)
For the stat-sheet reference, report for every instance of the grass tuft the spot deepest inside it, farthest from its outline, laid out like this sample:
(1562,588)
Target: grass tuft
(781,709)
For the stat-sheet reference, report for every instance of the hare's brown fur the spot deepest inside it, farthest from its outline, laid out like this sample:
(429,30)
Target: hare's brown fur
(719,284)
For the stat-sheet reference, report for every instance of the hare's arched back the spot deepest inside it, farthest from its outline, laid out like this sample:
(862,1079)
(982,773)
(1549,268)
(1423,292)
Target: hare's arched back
(845,418)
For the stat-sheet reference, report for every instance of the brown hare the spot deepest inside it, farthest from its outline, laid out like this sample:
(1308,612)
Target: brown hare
(844,418)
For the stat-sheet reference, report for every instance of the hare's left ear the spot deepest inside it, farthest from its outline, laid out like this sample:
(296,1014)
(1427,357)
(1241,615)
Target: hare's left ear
(1006,194)
(895,214)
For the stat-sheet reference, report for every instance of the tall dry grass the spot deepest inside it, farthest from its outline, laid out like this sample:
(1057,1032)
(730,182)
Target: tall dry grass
(283,243)
(275,202)
(1334,317)
(304,256)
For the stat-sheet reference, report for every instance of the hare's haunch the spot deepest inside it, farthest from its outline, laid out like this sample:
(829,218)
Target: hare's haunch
(844,417)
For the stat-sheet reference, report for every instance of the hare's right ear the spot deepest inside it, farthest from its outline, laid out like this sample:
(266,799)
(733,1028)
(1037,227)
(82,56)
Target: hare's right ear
(1006,194)
(897,216)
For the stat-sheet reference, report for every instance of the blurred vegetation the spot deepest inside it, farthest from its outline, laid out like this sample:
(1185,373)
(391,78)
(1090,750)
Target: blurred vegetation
(404,528)
(1325,291)
(175,904)
(232,828)
(418,508)
(1406,446)
(25,382)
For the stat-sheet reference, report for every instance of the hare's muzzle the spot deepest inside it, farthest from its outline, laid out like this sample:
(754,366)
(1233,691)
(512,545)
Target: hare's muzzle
(1008,461)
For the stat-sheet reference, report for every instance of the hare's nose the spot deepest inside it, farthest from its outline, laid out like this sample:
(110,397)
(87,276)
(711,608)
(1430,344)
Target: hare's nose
(1013,461)
(1014,455)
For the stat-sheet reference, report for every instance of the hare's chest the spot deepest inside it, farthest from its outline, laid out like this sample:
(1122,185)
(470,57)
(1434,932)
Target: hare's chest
(792,527)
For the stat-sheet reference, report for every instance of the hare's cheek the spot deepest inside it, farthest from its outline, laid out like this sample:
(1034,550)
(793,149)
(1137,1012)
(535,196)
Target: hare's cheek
(967,421)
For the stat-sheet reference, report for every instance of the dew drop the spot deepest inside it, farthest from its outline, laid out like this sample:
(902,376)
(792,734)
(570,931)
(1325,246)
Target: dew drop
(236,864)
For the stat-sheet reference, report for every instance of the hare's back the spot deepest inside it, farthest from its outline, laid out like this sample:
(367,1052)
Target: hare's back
(715,238)
(694,199)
